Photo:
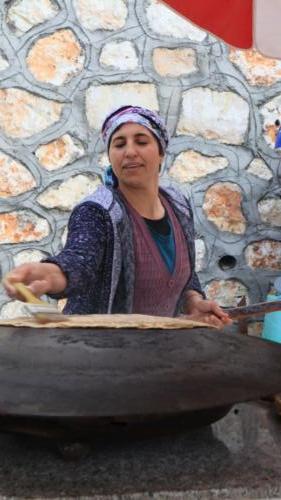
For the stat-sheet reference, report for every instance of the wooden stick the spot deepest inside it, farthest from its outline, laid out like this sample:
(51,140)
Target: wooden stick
(257,309)
(27,294)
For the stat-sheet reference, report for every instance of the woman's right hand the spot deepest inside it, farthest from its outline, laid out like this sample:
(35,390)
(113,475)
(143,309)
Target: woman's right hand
(39,277)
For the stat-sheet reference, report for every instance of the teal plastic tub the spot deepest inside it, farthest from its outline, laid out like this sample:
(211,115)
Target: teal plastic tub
(272,323)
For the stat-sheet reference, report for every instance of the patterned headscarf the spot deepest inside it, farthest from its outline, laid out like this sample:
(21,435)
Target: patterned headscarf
(136,114)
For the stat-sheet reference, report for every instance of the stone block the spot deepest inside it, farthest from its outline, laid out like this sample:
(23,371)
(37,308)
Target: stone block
(270,211)
(13,309)
(220,116)
(174,62)
(119,55)
(200,252)
(70,192)
(264,254)
(27,256)
(60,152)
(103,160)
(103,99)
(22,226)
(22,15)
(189,166)
(222,206)
(259,168)
(56,58)
(96,15)
(23,114)
(164,21)
(15,178)
(259,70)
(227,293)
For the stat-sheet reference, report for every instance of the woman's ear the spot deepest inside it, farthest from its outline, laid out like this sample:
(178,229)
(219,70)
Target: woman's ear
(162,156)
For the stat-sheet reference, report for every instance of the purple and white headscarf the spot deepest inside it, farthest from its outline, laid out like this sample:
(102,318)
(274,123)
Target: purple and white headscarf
(136,114)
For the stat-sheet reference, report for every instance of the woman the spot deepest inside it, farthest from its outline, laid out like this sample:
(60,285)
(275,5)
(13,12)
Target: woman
(130,245)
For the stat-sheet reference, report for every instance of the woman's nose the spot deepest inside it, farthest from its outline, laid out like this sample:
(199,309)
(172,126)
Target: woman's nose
(130,149)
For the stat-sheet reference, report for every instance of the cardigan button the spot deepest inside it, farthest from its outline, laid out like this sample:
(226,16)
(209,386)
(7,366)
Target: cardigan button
(171,283)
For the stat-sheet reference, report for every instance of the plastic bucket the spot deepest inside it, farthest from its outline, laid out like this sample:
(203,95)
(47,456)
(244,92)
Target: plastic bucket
(272,323)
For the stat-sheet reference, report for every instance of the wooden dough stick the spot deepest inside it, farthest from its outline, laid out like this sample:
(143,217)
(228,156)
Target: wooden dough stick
(42,311)
(27,294)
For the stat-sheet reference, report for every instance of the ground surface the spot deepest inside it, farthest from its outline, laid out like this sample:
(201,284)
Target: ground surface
(238,456)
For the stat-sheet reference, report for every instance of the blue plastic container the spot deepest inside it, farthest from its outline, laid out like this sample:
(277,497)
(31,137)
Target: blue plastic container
(278,140)
(272,323)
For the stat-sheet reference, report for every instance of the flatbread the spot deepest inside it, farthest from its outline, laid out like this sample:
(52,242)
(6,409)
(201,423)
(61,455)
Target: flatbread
(139,321)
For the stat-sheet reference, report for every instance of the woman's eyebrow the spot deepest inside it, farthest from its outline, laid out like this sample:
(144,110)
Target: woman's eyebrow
(139,134)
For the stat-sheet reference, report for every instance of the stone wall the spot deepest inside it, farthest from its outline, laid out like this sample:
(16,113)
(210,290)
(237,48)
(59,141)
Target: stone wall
(65,64)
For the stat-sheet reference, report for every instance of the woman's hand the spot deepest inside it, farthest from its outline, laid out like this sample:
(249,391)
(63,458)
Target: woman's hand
(40,278)
(205,311)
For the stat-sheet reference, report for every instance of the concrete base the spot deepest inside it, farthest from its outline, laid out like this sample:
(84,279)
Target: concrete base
(237,457)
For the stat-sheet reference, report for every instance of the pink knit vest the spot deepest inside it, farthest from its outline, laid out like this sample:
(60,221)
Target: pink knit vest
(156,290)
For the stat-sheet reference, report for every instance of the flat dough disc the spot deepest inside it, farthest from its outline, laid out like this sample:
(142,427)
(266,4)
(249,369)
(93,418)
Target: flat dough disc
(107,321)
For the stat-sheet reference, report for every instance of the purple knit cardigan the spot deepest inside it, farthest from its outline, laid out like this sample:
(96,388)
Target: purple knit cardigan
(98,258)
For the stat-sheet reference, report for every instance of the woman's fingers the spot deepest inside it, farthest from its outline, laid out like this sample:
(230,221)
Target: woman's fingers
(210,312)
(39,287)
(219,312)
(29,274)
(39,277)
(209,319)
(18,274)
(10,290)
(214,320)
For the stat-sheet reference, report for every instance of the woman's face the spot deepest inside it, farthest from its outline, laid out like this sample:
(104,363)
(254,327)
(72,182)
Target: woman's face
(134,155)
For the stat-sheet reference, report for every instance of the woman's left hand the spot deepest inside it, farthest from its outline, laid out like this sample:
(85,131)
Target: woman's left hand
(206,311)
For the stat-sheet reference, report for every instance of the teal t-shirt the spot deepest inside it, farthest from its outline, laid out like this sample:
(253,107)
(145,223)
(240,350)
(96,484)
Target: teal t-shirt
(162,232)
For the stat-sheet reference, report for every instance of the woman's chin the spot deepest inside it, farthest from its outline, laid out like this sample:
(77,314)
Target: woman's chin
(136,185)
(133,183)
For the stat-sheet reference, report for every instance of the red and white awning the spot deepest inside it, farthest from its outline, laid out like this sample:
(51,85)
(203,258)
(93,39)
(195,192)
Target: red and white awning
(243,24)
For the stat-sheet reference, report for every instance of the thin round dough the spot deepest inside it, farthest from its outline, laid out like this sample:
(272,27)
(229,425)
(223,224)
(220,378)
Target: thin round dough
(138,321)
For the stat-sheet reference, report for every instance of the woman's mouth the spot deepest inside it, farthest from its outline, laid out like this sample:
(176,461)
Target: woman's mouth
(131,166)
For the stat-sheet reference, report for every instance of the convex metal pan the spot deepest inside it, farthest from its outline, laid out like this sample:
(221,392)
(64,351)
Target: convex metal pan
(102,375)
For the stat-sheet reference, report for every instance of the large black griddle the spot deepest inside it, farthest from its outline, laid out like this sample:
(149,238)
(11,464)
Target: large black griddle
(100,376)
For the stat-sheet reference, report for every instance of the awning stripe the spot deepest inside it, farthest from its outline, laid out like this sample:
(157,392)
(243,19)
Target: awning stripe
(267,29)
(231,20)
